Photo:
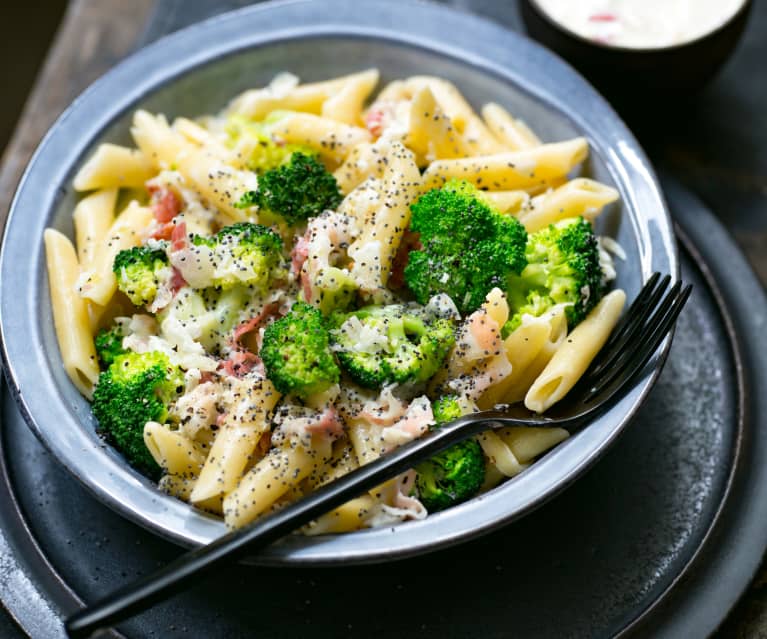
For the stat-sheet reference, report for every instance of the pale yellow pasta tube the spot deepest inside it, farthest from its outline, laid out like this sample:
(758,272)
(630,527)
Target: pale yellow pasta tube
(173,452)
(220,184)
(581,196)
(346,104)
(505,201)
(256,104)
(70,313)
(113,166)
(269,479)
(365,160)
(93,217)
(513,133)
(431,134)
(528,443)
(574,356)
(555,323)
(350,516)
(158,142)
(332,140)
(521,348)
(499,454)
(98,283)
(182,487)
(511,170)
(474,131)
(366,440)
(233,448)
(374,250)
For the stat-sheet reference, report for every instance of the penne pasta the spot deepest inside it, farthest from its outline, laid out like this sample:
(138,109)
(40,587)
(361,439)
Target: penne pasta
(70,313)
(527,169)
(113,167)
(574,356)
(285,94)
(173,452)
(514,134)
(331,139)
(581,196)
(268,480)
(93,217)
(98,283)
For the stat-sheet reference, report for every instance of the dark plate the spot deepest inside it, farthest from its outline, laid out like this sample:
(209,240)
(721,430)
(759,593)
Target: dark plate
(659,539)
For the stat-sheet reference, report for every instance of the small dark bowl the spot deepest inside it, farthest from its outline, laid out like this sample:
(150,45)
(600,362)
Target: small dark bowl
(623,72)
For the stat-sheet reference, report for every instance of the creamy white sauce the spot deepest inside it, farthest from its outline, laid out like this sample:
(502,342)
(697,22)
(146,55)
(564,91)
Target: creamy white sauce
(641,23)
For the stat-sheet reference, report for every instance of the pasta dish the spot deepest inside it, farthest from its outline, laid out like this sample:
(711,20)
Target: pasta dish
(259,301)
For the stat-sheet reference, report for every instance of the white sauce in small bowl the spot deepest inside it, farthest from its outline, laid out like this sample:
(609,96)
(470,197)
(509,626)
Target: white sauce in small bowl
(641,24)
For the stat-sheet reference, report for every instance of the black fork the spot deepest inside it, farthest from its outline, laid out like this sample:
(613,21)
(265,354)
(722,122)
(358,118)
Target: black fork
(632,344)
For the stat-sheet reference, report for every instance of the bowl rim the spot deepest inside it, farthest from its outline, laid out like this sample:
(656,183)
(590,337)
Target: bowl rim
(544,15)
(117,485)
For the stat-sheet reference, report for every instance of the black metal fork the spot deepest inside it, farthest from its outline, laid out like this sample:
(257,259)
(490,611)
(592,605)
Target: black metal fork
(639,334)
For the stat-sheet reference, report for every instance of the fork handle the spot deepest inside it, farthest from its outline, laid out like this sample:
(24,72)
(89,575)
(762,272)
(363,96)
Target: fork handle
(174,577)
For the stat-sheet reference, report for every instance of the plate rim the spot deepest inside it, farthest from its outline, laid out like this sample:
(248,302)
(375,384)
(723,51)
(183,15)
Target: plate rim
(318,552)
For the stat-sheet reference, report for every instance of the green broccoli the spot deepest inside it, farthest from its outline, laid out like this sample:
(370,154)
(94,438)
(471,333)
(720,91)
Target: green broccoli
(455,474)
(109,345)
(446,409)
(141,271)
(562,267)
(334,289)
(135,389)
(296,191)
(242,254)
(296,352)
(468,248)
(259,149)
(399,343)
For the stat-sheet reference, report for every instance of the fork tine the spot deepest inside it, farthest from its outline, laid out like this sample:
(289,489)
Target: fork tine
(661,324)
(623,350)
(635,317)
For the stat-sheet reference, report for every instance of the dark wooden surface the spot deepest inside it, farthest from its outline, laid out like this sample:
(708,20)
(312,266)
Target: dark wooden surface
(716,143)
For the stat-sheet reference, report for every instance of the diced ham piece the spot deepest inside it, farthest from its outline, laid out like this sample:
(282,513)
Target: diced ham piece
(329,423)
(165,205)
(240,363)
(178,237)
(177,282)
(269,311)
(299,254)
(163,231)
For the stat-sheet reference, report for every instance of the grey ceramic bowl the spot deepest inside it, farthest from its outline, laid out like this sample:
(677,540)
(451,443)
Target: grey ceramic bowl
(195,71)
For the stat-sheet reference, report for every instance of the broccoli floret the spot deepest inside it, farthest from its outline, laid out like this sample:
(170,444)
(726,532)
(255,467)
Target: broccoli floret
(446,409)
(454,475)
(135,389)
(296,352)
(253,141)
(468,248)
(243,254)
(298,190)
(562,268)
(141,271)
(333,289)
(399,343)
(109,345)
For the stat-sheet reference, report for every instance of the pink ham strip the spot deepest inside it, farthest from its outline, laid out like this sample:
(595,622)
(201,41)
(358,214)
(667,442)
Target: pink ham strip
(178,237)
